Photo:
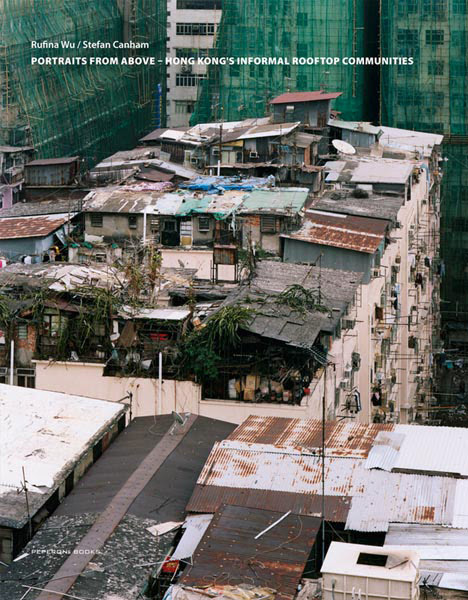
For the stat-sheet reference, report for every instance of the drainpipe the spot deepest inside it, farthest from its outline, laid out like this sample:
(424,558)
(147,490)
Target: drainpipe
(12,360)
(160,385)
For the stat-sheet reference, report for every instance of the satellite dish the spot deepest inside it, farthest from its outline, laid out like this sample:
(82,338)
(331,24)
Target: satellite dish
(179,421)
(343,147)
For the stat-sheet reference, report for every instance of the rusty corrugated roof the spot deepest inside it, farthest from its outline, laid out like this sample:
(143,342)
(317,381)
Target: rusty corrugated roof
(342,231)
(26,227)
(341,438)
(229,551)
(305,97)
(209,499)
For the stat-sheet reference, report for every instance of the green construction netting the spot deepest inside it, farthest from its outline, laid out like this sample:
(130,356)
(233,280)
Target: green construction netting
(87,110)
(288,28)
(432,96)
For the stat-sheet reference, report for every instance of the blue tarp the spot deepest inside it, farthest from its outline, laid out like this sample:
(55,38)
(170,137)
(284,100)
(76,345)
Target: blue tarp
(213,184)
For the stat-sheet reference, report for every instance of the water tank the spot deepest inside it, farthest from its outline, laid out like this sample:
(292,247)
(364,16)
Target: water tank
(359,572)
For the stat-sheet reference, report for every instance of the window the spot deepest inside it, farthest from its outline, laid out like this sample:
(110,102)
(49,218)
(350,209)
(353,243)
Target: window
(434,37)
(96,220)
(435,67)
(199,4)
(203,223)
(302,49)
(195,28)
(154,225)
(22,331)
(407,7)
(184,107)
(132,221)
(26,378)
(169,225)
(374,560)
(268,224)
(189,80)
(192,52)
(302,19)
(459,7)
(434,8)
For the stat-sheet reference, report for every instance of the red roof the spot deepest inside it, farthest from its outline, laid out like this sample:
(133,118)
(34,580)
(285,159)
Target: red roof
(26,227)
(304,97)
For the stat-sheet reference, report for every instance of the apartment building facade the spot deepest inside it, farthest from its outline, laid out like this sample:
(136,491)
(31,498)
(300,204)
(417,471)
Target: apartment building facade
(191,32)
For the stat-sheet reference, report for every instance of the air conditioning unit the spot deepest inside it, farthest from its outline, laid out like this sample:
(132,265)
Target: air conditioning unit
(348,323)
(253,155)
(345,384)
(186,69)
(216,152)
(375,272)
(194,160)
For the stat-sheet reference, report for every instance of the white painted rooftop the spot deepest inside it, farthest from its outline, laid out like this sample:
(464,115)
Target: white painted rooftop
(46,433)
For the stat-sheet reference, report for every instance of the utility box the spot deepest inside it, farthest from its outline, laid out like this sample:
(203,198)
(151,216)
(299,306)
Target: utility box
(358,572)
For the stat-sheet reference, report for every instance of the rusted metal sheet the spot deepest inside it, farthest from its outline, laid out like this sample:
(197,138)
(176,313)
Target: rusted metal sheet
(341,438)
(209,498)
(230,554)
(26,227)
(348,232)
(292,97)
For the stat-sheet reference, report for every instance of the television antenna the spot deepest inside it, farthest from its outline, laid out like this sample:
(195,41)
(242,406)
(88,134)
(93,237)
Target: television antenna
(343,147)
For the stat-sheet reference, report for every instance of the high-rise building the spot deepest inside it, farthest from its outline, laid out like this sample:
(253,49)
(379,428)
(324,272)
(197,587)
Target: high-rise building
(285,30)
(431,95)
(68,107)
(192,29)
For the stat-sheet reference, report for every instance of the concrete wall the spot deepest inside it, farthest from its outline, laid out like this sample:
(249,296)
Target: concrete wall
(86,379)
(200,260)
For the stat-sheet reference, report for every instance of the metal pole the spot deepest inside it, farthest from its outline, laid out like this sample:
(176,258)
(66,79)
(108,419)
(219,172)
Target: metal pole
(323,461)
(160,385)
(12,360)
(144,227)
(25,488)
(220,148)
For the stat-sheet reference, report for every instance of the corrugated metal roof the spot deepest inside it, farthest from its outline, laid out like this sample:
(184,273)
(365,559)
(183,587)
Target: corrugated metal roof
(384,452)
(157,314)
(382,171)
(305,97)
(378,497)
(286,201)
(209,498)
(41,162)
(229,549)
(433,450)
(269,130)
(341,438)
(405,139)
(341,231)
(358,126)
(28,227)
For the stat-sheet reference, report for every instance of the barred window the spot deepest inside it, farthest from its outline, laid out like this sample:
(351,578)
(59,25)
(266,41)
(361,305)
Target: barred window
(434,37)
(189,80)
(195,28)
(96,220)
